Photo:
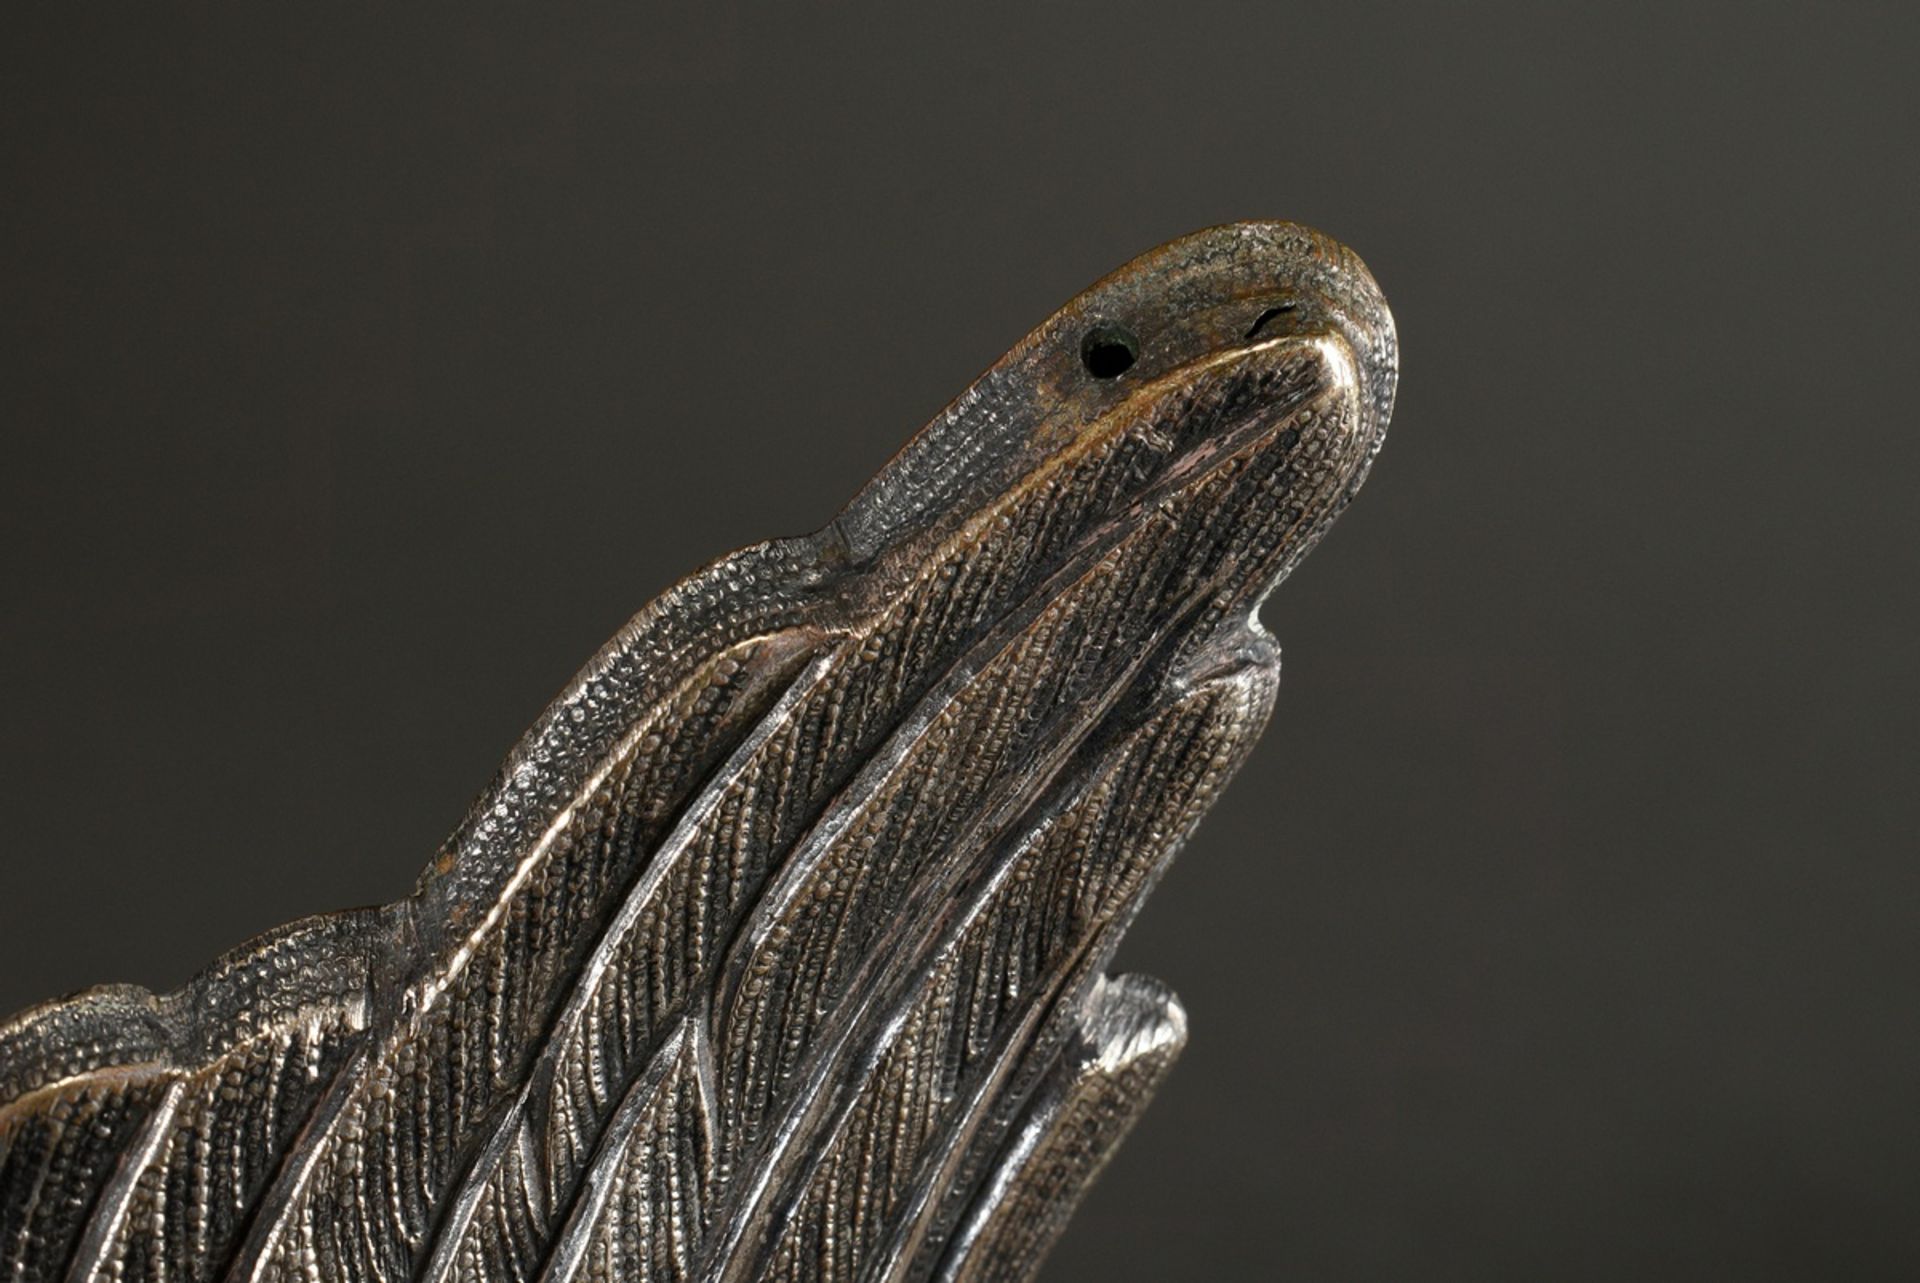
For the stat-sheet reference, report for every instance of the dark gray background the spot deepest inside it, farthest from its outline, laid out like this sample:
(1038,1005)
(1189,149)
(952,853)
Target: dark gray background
(361,372)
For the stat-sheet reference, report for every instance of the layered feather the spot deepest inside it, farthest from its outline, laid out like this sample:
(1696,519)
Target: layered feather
(778,925)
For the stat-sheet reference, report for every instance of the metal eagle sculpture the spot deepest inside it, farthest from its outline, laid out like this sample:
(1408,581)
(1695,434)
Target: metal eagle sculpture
(776,948)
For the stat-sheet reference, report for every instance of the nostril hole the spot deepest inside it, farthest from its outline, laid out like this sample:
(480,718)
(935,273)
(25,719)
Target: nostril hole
(1109,350)
(1268,317)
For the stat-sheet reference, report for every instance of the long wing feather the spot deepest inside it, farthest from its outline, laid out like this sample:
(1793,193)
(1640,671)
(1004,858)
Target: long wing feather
(1126,1036)
(774,950)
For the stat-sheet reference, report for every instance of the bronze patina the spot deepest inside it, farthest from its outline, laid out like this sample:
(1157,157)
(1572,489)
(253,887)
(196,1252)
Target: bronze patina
(776,949)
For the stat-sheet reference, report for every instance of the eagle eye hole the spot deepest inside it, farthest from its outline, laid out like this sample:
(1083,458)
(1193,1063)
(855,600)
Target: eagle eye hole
(1109,350)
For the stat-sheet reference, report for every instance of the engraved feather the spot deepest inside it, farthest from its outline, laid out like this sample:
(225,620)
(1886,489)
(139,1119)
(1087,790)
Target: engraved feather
(775,949)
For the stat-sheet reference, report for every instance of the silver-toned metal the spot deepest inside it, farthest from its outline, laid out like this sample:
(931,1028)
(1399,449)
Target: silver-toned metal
(776,949)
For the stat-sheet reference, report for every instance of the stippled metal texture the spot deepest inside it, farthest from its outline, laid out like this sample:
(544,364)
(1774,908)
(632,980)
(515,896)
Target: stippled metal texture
(776,949)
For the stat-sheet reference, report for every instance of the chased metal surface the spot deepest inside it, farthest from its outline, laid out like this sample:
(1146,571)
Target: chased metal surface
(776,949)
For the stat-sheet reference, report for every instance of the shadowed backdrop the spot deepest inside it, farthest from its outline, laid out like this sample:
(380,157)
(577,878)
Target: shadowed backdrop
(362,371)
